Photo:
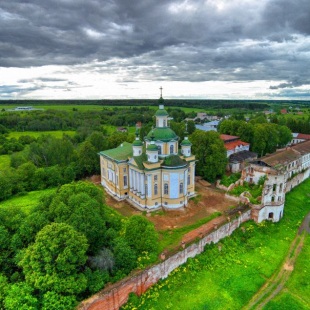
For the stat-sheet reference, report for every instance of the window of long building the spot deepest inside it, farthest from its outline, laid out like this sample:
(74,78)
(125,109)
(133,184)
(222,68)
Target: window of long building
(181,188)
(166,189)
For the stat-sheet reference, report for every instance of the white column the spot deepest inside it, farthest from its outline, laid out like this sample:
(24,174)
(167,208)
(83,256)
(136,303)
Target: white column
(185,191)
(149,186)
(130,178)
(142,184)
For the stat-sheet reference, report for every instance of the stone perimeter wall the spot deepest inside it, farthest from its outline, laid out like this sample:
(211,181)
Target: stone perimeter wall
(116,295)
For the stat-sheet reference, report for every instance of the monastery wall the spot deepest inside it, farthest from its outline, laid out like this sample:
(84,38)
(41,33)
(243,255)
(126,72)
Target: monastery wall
(114,296)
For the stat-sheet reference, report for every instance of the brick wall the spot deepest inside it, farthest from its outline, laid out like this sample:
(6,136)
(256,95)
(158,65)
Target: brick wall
(114,296)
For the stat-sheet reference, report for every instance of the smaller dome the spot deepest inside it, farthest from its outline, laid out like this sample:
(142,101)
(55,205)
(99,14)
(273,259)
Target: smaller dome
(186,142)
(152,147)
(161,112)
(137,143)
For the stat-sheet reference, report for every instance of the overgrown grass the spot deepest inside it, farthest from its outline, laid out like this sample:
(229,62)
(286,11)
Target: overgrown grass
(227,180)
(57,133)
(170,238)
(227,277)
(5,162)
(27,201)
(254,189)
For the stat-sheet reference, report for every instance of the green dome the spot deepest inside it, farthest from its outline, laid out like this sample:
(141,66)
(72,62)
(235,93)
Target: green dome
(186,142)
(137,143)
(161,112)
(152,147)
(164,134)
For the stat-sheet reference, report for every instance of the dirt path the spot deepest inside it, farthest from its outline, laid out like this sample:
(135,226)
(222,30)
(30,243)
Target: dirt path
(277,281)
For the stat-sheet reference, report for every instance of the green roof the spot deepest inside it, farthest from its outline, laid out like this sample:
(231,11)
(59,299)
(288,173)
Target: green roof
(174,161)
(139,160)
(120,153)
(164,134)
(152,147)
(186,142)
(161,112)
(137,143)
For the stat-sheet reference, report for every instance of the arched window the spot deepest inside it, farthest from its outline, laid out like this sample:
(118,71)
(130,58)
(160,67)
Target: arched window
(166,189)
(164,123)
(159,149)
(181,188)
(155,189)
(171,149)
(188,180)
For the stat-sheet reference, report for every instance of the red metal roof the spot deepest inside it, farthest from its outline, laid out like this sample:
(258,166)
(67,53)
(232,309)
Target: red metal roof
(232,145)
(228,137)
(303,136)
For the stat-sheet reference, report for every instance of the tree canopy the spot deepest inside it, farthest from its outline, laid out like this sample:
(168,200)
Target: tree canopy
(210,154)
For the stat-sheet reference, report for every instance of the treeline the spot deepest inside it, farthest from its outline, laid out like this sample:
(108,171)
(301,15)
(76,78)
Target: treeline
(67,248)
(48,161)
(264,137)
(48,120)
(300,125)
(189,103)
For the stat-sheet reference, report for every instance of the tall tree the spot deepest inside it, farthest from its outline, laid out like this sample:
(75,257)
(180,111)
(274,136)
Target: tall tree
(210,153)
(54,261)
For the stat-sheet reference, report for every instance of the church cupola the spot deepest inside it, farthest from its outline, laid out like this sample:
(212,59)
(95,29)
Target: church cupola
(137,145)
(152,150)
(161,114)
(186,145)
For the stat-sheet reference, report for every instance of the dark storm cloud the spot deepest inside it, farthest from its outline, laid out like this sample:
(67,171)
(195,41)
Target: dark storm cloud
(160,40)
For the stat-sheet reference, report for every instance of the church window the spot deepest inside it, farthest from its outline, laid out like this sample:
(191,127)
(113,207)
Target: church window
(124,169)
(274,188)
(272,199)
(181,188)
(281,185)
(125,180)
(279,198)
(155,177)
(164,123)
(188,180)
(171,149)
(155,189)
(159,149)
(166,189)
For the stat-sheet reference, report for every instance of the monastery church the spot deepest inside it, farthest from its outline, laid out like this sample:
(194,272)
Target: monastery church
(153,173)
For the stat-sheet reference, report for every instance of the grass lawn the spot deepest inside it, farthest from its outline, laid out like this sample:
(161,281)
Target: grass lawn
(27,201)
(4,161)
(57,133)
(169,239)
(226,277)
(296,293)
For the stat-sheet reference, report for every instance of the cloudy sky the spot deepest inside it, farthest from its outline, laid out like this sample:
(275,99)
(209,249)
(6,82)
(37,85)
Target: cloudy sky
(89,49)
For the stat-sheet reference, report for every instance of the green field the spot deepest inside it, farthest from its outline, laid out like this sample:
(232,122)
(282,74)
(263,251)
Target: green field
(4,162)
(227,277)
(27,201)
(82,108)
(57,133)
(296,293)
